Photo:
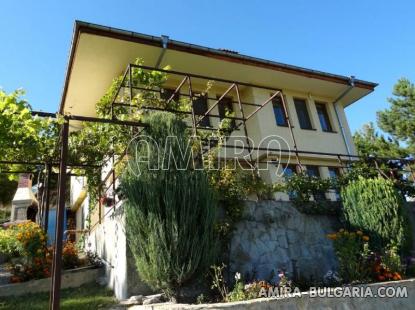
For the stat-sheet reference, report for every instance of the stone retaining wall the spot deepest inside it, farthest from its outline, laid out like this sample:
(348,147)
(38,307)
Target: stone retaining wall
(70,278)
(273,235)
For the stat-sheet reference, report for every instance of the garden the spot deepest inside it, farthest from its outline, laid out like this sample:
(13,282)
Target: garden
(26,255)
(179,221)
(373,244)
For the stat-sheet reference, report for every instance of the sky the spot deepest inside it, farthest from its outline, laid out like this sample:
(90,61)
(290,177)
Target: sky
(372,40)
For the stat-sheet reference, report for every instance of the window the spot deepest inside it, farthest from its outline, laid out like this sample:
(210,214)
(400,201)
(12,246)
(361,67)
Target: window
(290,170)
(166,93)
(200,106)
(323,116)
(279,111)
(302,113)
(334,173)
(313,171)
(225,105)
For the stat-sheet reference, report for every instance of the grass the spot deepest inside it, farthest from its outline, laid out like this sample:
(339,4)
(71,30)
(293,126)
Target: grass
(90,296)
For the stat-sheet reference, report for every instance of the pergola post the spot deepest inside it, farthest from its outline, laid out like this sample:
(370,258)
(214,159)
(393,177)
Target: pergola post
(47,197)
(60,216)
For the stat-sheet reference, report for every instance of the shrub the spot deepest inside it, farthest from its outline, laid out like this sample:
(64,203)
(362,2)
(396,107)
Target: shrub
(170,213)
(238,292)
(375,206)
(27,241)
(388,267)
(218,281)
(70,257)
(352,251)
(302,187)
(392,261)
(9,245)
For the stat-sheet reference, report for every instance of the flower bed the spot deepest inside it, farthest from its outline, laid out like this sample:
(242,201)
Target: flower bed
(29,258)
(306,300)
(70,278)
(357,263)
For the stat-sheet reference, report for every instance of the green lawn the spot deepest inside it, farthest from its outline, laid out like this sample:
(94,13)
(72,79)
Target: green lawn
(90,296)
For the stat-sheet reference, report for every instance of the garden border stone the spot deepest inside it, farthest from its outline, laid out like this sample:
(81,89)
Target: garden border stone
(306,302)
(70,278)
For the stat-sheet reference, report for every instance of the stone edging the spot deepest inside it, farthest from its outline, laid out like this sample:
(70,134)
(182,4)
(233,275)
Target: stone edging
(307,302)
(70,278)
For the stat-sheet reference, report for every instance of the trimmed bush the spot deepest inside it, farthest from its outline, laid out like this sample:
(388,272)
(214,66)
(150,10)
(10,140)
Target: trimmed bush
(170,213)
(376,207)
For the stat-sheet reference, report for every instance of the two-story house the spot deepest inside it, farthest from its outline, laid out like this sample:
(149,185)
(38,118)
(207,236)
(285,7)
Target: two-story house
(306,120)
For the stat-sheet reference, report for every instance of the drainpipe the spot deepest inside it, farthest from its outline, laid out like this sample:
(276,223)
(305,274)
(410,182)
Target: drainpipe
(164,41)
(335,103)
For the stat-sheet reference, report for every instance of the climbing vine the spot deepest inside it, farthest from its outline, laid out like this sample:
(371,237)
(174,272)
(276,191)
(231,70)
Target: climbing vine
(24,137)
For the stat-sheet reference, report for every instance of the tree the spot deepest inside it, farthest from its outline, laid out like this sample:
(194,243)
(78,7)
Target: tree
(7,189)
(399,119)
(369,142)
(22,136)
(170,213)
(376,207)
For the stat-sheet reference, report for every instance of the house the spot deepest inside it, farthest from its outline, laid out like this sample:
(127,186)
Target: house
(314,133)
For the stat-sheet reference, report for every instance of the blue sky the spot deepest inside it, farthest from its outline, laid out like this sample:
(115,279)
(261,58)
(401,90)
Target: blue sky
(373,40)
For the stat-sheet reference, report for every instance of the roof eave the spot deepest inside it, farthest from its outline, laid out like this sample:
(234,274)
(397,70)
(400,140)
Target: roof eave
(84,27)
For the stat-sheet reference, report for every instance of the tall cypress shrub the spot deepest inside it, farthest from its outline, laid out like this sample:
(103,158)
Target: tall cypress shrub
(376,207)
(169,213)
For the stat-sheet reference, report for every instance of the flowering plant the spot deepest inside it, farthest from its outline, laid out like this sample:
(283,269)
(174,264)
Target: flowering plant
(388,266)
(352,252)
(383,273)
(253,289)
(32,237)
(30,247)
(238,292)
(70,257)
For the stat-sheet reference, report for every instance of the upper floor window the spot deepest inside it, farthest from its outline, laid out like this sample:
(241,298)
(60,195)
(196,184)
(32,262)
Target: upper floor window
(279,112)
(302,113)
(200,107)
(225,106)
(323,116)
(166,93)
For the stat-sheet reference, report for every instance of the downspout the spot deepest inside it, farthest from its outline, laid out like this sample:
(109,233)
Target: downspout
(164,42)
(335,103)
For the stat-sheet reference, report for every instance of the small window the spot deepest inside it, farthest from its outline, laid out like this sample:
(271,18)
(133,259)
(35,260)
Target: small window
(334,172)
(166,93)
(313,171)
(225,106)
(302,113)
(290,170)
(279,112)
(323,116)
(200,106)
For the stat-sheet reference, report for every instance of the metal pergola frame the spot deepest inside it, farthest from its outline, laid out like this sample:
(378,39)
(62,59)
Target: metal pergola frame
(186,79)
